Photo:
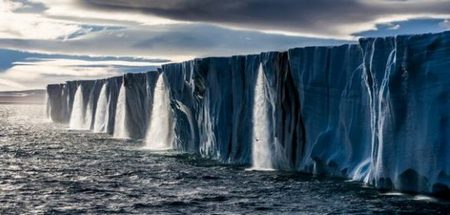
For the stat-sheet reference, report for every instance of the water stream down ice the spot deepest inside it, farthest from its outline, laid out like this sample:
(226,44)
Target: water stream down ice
(159,133)
(261,158)
(120,130)
(77,119)
(102,111)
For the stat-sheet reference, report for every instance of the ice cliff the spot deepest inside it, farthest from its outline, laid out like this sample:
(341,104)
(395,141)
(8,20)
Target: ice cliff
(377,111)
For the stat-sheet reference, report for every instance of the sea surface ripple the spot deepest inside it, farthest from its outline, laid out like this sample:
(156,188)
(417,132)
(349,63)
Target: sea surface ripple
(47,169)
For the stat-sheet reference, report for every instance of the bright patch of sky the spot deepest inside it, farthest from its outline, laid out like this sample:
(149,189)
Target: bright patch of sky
(413,26)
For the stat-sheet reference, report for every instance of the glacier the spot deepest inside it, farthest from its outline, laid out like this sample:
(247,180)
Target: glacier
(376,111)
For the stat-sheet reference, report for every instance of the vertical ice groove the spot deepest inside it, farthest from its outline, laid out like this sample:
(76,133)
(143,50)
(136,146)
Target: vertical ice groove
(159,134)
(209,141)
(261,154)
(89,112)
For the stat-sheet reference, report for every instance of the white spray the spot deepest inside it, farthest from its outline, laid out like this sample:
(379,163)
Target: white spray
(261,157)
(120,130)
(159,134)
(77,119)
(102,111)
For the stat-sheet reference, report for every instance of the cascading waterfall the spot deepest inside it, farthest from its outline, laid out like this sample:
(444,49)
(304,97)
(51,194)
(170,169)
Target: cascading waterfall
(102,111)
(77,115)
(120,130)
(380,110)
(261,156)
(159,134)
(77,119)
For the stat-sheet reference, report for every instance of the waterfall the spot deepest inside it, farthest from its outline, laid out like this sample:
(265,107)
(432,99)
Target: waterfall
(378,118)
(120,130)
(77,119)
(159,134)
(261,157)
(102,111)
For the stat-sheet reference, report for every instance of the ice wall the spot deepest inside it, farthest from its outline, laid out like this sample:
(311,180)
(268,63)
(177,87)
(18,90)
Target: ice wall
(408,80)
(57,103)
(112,90)
(376,111)
(212,100)
(137,103)
(334,110)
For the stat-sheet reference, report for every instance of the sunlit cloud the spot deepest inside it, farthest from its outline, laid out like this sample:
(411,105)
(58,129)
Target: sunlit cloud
(31,72)
(29,26)
(17,25)
(176,42)
(7,85)
(37,73)
(445,24)
(38,76)
(71,10)
(72,62)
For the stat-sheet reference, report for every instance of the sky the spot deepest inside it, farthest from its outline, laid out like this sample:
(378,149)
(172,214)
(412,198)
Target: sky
(51,41)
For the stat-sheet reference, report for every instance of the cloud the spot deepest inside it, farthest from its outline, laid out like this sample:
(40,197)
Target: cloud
(25,6)
(73,62)
(328,18)
(10,6)
(28,26)
(445,24)
(413,26)
(7,85)
(115,51)
(36,75)
(9,58)
(71,10)
(49,41)
(19,20)
(394,27)
(176,42)
(34,71)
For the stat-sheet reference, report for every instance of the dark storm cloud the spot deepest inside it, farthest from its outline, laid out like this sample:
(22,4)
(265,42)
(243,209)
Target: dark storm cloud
(324,17)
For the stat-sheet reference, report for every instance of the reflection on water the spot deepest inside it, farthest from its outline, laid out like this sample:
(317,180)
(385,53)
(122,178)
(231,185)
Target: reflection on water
(45,168)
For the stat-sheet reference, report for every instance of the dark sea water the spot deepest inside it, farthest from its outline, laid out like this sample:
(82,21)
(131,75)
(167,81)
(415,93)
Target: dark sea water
(47,169)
